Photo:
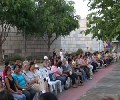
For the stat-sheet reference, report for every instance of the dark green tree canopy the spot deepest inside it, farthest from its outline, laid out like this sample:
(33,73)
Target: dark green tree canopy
(56,16)
(104,21)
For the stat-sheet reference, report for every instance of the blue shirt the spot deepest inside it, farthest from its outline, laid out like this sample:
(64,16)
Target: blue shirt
(20,78)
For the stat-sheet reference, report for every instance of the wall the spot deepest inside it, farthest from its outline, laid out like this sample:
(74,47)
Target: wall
(14,45)
(77,40)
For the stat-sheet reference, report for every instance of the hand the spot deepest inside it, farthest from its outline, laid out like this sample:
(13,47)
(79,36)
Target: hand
(28,88)
(19,91)
(36,80)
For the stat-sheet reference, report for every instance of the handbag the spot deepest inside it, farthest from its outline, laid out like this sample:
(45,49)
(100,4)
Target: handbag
(52,77)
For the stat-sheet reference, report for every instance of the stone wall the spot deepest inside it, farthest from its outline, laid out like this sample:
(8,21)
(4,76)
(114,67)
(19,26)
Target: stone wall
(14,44)
(77,40)
(36,47)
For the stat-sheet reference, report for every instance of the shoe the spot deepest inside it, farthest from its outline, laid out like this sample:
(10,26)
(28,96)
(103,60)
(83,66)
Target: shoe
(65,88)
(80,84)
(74,86)
(90,78)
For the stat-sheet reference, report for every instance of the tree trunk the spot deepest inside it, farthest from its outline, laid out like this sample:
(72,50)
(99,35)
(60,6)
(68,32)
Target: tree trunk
(1,57)
(48,49)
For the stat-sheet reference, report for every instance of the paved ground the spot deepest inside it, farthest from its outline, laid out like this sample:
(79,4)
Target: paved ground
(109,85)
(104,82)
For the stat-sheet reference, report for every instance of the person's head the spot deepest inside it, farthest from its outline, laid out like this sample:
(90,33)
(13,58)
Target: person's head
(7,63)
(34,60)
(1,84)
(32,66)
(59,64)
(54,62)
(69,61)
(26,65)
(45,58)
(5,95)
(7,71)
(59,58)
(17,68)
(48,96)
(104,98)
(81,56)
(64,61)
(54,56)
(18,61)
(61,50)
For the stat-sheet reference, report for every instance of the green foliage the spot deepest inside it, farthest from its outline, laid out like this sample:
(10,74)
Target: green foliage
(55,18)
(79,51)
(13,58)
(104,21)
(66,54)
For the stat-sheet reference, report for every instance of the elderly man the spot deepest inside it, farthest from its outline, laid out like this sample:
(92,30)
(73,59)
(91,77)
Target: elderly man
(30,78)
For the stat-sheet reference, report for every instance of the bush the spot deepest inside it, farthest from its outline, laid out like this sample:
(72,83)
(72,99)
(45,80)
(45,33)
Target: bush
(79,51)
(13,58)
(66,54)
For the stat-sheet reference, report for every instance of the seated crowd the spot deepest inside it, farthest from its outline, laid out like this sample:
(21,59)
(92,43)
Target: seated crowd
(23,81)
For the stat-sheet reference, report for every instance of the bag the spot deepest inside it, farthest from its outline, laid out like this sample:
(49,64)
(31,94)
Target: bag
(52,77)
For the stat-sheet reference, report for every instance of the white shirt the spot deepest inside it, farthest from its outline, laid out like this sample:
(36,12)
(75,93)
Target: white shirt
(61,55)
(60,70)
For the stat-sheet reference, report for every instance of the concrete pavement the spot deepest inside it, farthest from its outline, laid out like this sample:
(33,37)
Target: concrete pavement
(107,86)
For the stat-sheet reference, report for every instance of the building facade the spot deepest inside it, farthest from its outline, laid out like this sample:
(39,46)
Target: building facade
(36,47)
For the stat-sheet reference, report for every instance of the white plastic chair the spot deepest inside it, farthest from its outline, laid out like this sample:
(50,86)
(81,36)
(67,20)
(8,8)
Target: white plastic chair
(54,85)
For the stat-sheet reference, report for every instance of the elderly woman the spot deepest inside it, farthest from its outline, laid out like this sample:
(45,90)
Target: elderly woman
(46,62)
(44,85)
(31,79)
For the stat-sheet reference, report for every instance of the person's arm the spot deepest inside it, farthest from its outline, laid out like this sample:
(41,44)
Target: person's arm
(57,72)
(8,86)
(28,80)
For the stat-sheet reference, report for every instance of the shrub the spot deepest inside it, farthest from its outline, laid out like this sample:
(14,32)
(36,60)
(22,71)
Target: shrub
(79,51)
(66,54)
(13,58)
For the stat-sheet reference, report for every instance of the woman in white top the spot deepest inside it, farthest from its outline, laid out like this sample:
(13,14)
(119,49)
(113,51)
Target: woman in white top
(61,54)
(40,77)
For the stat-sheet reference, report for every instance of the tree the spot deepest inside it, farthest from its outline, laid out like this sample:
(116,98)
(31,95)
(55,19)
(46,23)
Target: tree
(23,17)
(4,23)
(104,21)
(15,13)
(55,18)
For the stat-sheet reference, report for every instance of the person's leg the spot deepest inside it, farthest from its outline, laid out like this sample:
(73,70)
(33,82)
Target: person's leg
(73,76)
(32,92)
(18,96)
(62,79)
(86,69)
(27,94)
(94,67)
(24,97)
(83,74)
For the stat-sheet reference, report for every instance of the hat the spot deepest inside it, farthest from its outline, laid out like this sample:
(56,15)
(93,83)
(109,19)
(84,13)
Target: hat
(45,57)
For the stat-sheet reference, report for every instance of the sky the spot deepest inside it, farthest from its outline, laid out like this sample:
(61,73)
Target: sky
(81,8)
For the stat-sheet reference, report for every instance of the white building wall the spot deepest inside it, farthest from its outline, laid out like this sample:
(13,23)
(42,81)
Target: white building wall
(77,40)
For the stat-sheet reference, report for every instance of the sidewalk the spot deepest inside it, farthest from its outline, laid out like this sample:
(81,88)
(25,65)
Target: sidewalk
(94,86)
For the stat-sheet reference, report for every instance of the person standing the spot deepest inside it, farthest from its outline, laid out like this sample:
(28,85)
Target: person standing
(62,54)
